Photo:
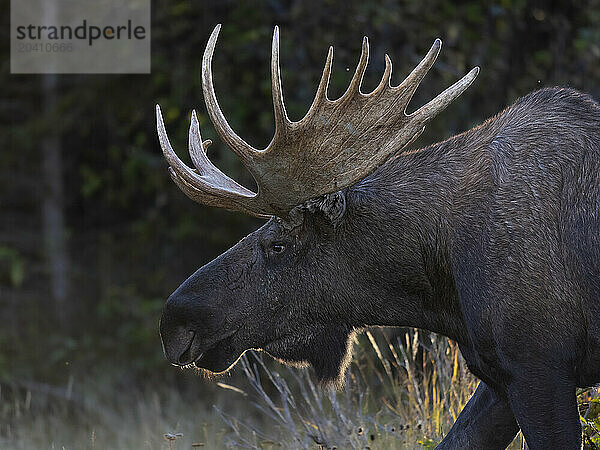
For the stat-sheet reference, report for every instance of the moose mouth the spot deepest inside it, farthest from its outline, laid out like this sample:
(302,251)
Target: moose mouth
(214,356)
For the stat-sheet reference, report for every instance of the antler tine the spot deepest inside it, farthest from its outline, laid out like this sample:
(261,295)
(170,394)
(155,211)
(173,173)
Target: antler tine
(385,79)
(197,148)
(281,118)
(233,141)
(360,69)
(321,94)
(413,80)
(208,183)
(442,100)
(177,164)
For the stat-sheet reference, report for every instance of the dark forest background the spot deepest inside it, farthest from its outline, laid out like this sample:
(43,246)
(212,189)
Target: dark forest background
(94,235)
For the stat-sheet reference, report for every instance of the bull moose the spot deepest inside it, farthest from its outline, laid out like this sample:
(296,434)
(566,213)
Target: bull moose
(491,237)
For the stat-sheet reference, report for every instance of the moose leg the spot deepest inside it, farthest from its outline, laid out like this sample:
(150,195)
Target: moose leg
(486,422)
(545,406)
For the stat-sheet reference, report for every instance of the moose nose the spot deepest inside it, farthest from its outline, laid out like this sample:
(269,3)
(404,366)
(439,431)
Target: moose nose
(188,324)
(177,343)
(177,332)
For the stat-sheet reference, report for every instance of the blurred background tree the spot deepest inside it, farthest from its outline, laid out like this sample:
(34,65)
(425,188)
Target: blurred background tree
(94,235)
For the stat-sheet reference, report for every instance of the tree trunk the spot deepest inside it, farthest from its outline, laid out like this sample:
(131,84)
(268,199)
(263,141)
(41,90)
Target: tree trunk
(55,244)
(53,204)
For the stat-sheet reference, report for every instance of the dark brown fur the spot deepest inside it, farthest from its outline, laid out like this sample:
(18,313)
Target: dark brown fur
(491,237)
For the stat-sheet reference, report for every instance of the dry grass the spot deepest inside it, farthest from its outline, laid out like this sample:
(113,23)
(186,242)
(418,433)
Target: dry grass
(401,391)
(101,415)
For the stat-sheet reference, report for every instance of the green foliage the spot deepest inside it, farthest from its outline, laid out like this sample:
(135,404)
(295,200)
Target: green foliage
(589,410)
(12,266)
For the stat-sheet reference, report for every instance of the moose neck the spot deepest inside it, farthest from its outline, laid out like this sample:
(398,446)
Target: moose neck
(406,213)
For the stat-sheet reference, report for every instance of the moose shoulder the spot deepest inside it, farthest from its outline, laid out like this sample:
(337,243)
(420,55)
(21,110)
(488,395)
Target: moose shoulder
(491,237)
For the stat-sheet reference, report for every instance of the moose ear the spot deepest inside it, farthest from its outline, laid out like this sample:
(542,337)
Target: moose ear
(333,206)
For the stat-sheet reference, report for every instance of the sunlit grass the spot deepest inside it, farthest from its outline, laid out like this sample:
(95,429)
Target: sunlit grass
(400,392)
(403,390)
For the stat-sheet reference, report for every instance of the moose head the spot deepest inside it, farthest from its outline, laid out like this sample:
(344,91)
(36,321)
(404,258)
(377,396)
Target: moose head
(326,263)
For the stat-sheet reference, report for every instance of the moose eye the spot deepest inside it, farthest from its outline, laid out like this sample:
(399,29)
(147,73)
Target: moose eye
(277,248)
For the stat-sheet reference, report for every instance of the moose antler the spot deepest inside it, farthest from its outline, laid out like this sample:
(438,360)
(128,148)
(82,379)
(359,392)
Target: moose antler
(336,144)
